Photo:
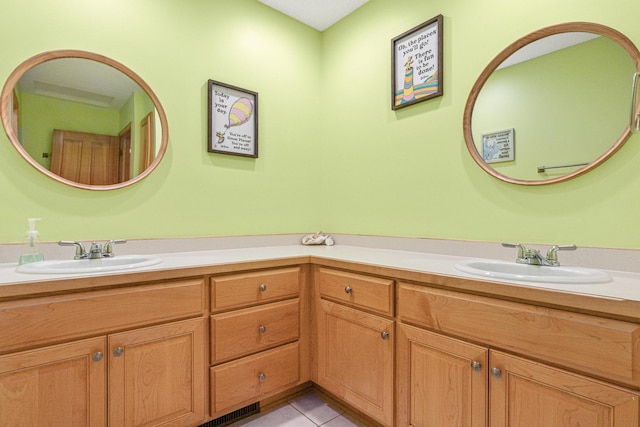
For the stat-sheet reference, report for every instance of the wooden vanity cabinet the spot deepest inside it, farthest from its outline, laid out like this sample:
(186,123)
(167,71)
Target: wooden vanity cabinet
(119,357)
(255,337)
(355,345)
(403,354)
(440,378)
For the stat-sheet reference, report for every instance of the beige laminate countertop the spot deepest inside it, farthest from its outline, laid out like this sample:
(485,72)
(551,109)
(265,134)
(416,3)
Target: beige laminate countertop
(619,298)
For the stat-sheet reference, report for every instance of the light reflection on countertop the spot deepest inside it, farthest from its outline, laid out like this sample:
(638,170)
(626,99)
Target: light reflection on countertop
(624,286)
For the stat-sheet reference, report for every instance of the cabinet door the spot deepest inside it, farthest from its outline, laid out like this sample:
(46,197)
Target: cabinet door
(442,382)
(355,359)
(524,393)
(157,375)
(62,385)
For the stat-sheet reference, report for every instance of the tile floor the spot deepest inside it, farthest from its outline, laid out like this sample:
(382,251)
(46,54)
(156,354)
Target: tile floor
(308,410)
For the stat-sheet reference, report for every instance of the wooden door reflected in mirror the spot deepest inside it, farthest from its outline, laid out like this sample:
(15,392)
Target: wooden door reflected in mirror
(147,142)
(86,158)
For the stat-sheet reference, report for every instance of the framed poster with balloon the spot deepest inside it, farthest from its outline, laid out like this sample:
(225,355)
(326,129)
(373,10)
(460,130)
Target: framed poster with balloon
(233,120)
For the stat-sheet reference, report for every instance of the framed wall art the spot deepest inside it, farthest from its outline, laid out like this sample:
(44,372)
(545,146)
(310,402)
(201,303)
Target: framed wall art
(233,120)
(416,66)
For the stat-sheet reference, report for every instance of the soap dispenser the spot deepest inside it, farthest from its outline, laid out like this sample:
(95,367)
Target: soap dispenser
(31,251)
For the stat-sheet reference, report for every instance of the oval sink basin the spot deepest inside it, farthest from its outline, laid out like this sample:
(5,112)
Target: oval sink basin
(532,273)
(81,266)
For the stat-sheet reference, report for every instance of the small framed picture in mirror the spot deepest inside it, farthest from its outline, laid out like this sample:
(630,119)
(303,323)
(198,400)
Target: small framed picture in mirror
(498,146)
(233,120)
(417,64)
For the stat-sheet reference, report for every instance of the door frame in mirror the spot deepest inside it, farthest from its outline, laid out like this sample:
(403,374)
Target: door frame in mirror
(8,93)
(568,27)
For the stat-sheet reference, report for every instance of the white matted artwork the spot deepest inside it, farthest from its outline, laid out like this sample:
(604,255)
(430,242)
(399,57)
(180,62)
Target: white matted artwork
(498,146)
(233,120)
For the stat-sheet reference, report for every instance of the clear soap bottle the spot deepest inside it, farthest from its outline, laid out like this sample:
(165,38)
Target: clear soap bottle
(31,251)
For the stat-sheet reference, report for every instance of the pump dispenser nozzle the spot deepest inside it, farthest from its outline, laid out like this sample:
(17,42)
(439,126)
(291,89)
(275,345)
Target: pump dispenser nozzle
(31,253)
(32,233)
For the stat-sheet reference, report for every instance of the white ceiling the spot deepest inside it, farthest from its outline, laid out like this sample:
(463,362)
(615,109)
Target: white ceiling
(80,80)
(319,14)
(547,45)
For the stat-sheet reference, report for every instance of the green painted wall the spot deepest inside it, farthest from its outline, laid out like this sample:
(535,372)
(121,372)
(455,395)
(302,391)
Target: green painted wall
(333,155)
(408,173)
(176,47)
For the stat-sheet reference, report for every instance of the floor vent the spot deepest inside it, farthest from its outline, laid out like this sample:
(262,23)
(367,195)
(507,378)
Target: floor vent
(234,416)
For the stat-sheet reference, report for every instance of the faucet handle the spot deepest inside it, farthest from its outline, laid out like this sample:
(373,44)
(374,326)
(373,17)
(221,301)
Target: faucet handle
(108,247)
(522,250)
(552,253)
(80,251)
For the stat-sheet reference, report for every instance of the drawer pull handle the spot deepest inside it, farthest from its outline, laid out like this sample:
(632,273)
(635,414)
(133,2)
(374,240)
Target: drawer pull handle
(348,289)
(261,377)
(496,372)
(262,329)
(117,352)
(263,287)
(476,366)
(384,335)
(97,356)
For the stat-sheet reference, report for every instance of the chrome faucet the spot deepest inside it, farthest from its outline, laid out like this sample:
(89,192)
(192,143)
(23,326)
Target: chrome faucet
(96,251)
(533,256)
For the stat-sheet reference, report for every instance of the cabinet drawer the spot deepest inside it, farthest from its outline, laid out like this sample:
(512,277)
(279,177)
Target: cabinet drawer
(600,347)
(250,330)
(34,322)
(357,290)
(250,379)
(240,290)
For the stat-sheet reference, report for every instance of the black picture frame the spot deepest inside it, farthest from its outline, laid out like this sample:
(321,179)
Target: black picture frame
(416,65)
(233,120)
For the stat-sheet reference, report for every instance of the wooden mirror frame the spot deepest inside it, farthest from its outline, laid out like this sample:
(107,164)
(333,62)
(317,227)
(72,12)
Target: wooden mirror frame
(7,94)
(569,27)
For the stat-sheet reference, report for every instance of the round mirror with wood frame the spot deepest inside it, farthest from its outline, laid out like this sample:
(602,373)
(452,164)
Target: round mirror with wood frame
(84,120)
(577,159)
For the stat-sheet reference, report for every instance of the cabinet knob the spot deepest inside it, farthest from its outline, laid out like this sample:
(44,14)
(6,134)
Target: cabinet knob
(384,335)
(261,377)
(348,289)
(97,356)
(262,329)
(476,366)
(117,352)
(496,372)
(263,287)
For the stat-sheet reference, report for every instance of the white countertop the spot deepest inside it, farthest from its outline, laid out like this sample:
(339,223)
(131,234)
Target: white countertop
(624,286)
